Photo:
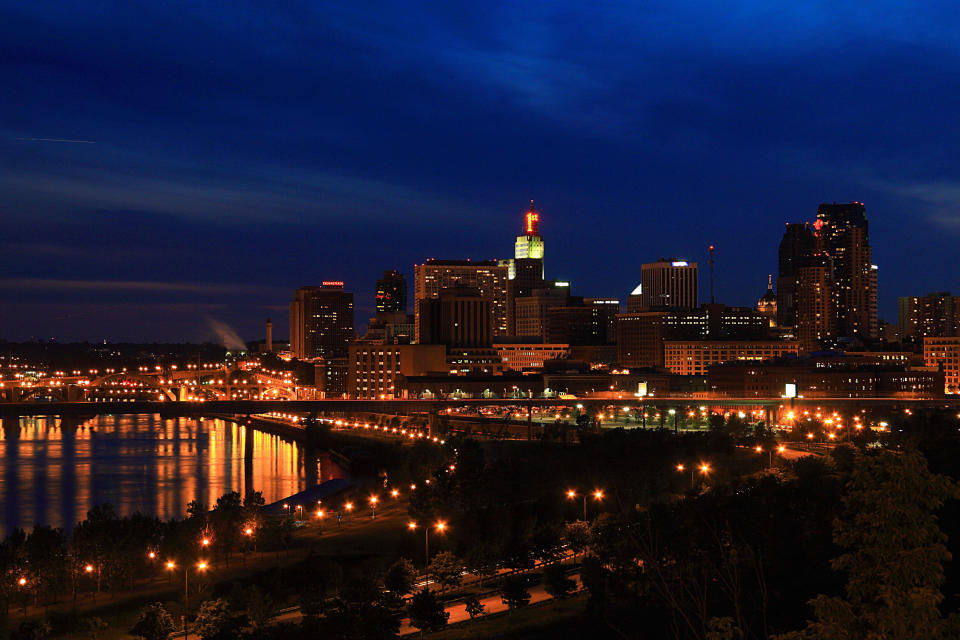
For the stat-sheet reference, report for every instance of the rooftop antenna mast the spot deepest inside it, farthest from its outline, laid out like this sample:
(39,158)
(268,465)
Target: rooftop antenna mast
(711,274)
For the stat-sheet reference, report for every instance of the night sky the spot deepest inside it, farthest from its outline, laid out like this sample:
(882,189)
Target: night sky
(168,165)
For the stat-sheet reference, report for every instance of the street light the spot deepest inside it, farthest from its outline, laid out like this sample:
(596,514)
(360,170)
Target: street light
(441,527)
(597,495)
(201,566)
(373,507)
(704,469)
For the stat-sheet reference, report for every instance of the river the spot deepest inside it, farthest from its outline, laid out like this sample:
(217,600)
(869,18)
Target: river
(145,463)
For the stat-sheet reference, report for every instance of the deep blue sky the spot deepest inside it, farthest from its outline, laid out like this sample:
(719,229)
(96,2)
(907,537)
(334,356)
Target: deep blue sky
(167,163)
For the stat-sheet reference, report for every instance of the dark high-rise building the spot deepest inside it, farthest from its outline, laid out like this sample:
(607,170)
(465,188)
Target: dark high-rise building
(641,334)
(583,321)
(935,315)
(488,276)
(666,284)
(798,242)
(815,302)
(842,232)
(457,317)
(392,293)
(321,321)
(530,312)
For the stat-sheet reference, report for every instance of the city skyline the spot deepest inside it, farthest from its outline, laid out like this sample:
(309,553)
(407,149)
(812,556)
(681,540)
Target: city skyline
(257,155)
(216,330)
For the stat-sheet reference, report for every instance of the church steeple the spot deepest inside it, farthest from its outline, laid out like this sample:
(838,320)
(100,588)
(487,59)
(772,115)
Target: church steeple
(767,305)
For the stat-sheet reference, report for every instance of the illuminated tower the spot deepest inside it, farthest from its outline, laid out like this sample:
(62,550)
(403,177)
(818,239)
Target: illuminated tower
(530,244)
(526,268)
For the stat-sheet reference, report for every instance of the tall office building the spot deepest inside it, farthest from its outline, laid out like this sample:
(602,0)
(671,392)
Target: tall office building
(798,242)
(457,317)
(666,284)
(814,298)
(392,293)
(525,269)
(842,232)
(530,312)
(321,321)
(935,315)
(641,335)
(583,321)
(490,278)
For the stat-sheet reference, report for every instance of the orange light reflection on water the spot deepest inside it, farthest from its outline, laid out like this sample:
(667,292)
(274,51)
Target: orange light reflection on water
(145,463)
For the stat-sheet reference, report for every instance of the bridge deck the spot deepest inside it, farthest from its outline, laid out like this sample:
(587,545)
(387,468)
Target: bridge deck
(405,406)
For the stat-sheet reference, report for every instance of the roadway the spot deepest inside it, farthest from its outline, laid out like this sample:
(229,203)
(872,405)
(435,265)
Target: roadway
(246,407)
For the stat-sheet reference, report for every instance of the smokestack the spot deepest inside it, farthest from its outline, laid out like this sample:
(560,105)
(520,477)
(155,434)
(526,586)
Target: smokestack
(269,336)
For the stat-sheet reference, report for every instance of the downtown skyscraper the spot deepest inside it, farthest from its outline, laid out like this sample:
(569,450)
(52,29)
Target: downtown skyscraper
(843,234)
(827,282)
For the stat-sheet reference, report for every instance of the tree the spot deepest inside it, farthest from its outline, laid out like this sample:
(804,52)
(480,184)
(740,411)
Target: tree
(153,623)
(216,621)
(446,569)
(556,581)
(474,606)
(227,519)
(577,535)
(894,554)
(32,630)
(260,607)
(482,559)
(93,626)
(514,593)
(355,620)
(425,611)
(399,577)
(546,542)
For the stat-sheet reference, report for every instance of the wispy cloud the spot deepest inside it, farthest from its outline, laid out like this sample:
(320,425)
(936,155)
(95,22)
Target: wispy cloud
(942,200)
(41,284)
(55,140)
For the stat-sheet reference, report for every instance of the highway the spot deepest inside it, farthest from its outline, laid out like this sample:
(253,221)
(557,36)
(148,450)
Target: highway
(246,407)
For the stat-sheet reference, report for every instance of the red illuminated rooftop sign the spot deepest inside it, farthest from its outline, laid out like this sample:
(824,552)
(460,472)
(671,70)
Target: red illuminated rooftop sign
(333,283)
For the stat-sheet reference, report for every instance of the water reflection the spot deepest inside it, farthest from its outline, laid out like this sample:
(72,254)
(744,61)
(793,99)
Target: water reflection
(52,473)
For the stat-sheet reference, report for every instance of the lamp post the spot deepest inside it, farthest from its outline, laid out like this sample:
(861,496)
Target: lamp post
(373,507)
(704,469)
(597,495)
(22,583)
(201,566)
(441,527)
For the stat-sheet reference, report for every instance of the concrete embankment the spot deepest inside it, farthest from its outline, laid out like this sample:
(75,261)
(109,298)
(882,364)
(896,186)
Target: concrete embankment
(309,498)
